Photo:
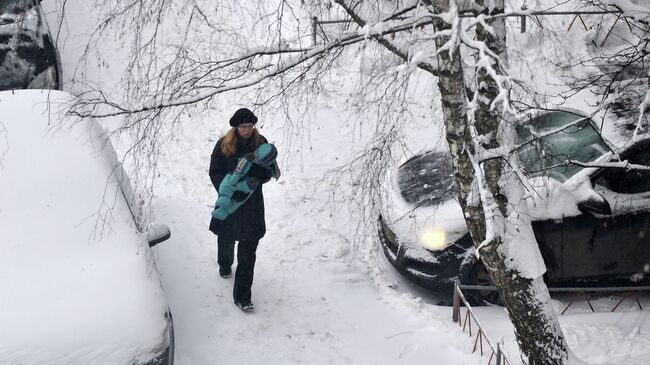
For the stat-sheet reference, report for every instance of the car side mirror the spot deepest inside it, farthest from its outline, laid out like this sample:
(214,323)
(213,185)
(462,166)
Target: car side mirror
(158,233)
(595,205)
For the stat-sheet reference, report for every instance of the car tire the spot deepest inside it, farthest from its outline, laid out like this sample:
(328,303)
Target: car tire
(482,278)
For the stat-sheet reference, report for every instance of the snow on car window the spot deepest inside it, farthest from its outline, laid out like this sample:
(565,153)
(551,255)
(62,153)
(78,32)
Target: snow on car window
(15,6)
(575,139)
(427,179)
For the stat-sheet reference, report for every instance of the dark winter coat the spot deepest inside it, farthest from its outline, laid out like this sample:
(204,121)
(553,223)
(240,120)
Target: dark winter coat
(247,222)
(239,185)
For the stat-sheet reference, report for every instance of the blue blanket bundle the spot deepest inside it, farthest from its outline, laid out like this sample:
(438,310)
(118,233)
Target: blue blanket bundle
(238,185)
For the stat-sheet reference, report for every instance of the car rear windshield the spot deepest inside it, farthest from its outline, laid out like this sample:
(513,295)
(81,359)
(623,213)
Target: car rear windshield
(15,6)
(543,154)
(427,179)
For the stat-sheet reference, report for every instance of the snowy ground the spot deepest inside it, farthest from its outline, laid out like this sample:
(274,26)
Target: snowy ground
(314,303)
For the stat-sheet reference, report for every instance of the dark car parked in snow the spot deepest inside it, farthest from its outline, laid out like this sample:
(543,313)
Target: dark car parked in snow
(28,57)
(588,241)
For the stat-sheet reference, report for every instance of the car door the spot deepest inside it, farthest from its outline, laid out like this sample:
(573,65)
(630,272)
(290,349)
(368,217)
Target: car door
(548,234)
(617,245)
(546,142)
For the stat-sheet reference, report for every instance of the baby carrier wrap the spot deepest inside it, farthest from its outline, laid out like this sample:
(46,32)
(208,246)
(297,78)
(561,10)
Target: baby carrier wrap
(239,181)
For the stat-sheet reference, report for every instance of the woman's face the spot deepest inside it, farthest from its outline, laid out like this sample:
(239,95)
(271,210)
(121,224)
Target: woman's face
(245,130)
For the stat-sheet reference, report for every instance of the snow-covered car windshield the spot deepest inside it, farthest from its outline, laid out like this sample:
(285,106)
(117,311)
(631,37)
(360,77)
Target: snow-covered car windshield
(15,6)
(427,179)
(28,57)
(575,138)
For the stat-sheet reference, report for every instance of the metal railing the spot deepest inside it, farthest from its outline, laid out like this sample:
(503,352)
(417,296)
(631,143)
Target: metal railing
(481,336)
(628,292)
(523,14)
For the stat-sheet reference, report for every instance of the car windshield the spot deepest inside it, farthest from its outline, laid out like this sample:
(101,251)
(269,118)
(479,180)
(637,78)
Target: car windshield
(575,138)
(28,57)
(15,6)
(427,179)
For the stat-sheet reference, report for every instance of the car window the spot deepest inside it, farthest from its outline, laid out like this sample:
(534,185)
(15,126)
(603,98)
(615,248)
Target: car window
(546,156)
(628,181)
(14,6)
(28,57)
(427,179)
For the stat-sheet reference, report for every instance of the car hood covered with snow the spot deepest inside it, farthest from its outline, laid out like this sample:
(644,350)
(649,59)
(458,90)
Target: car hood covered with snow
(430,224)
(78,284)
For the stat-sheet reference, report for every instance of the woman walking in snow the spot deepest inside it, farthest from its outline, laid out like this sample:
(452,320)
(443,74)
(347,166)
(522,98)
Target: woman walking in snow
(246,224)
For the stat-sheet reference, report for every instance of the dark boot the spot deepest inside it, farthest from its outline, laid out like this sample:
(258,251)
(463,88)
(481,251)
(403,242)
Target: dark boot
(225,272)
(246,307)
(225,256)
(244,274)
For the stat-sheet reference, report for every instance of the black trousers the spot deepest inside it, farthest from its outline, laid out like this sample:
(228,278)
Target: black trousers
(246,255)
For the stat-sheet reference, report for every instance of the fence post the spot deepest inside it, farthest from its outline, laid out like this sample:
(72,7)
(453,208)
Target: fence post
(499,354)
(314,28)
(456,310)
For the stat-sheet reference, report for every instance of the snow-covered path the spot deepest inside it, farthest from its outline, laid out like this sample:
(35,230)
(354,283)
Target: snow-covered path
(309,309)
(317,303)
(314,305)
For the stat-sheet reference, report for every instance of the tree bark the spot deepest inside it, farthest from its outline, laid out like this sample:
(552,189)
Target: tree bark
(527,300)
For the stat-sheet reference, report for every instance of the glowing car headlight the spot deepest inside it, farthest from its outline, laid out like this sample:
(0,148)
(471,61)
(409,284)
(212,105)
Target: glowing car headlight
(433,239)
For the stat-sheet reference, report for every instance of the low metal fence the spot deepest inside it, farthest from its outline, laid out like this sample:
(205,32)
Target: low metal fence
(497,352)
(630,292)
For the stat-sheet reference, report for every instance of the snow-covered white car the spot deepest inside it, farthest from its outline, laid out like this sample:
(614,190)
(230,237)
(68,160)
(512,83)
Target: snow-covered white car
(78,283)
(28,57)
(592,224)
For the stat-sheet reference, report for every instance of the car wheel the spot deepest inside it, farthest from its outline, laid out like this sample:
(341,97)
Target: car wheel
(483,279)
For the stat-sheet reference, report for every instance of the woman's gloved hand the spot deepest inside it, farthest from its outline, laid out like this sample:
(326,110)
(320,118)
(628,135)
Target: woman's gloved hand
(260,173)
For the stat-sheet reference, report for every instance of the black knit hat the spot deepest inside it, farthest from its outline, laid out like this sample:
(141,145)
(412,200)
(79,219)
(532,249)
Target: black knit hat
(242,116)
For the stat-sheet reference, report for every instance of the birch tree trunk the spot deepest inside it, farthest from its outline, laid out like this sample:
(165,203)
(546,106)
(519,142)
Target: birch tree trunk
(527,300)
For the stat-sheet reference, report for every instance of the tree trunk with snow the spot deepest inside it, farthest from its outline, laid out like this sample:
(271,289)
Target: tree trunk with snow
(527,300)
